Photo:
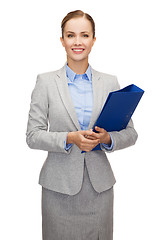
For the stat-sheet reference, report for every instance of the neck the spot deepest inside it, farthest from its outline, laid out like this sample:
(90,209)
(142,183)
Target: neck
(79,67)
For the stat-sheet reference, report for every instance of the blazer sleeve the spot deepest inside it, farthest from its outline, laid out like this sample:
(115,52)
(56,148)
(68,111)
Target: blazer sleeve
(124,138)
(37,135)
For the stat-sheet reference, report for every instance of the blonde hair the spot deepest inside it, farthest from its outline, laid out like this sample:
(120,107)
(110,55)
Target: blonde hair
(76,14)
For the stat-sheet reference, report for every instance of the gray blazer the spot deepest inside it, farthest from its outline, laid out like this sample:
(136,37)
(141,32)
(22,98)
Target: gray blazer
(52,116)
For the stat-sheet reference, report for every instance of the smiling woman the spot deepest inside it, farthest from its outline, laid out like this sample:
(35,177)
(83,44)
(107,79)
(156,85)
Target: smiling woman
(77,188)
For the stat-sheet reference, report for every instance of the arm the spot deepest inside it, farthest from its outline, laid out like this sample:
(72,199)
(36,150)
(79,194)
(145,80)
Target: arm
(124,138)
(116,140)
(37,135)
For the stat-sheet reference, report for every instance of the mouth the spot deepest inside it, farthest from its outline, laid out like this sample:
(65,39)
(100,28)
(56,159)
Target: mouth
(78,50)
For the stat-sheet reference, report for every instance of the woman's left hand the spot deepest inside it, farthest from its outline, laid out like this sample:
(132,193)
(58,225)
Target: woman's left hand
(102,135)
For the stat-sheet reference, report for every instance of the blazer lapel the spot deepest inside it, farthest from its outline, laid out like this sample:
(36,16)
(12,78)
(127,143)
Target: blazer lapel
(65,95)
(98,97)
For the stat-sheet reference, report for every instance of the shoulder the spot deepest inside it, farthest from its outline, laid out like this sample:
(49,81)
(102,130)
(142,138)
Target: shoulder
(49,77)
(108,79)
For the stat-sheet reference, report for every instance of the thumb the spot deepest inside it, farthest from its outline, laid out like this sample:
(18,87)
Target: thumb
(99,129)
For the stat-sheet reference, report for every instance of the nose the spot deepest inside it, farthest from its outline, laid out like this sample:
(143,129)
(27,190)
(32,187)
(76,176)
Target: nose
(77,40)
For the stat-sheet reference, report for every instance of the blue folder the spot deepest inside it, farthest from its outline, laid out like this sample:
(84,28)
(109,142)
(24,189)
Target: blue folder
(118,109)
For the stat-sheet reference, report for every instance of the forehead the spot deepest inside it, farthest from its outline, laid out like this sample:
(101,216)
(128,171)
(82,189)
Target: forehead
(80,24)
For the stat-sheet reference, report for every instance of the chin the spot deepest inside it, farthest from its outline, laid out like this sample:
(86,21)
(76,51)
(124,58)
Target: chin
(79,59)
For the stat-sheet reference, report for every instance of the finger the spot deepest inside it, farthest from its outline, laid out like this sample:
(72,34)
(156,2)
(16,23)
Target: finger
(91,137)
(88,148)
(90,145)
(95,135)
(91,142)
(98,129)
(85,133)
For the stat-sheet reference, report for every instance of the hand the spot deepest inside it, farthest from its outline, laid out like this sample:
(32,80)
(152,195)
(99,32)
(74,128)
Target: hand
(81,139)
(102,135)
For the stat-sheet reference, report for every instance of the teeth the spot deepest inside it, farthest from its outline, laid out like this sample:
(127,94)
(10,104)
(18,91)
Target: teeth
(77,50)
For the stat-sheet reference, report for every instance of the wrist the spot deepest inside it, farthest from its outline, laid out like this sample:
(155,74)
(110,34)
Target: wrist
(70,138)
(108,139)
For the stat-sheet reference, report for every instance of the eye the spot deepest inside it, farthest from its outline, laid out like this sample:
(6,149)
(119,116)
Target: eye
(85,35)
(70,35)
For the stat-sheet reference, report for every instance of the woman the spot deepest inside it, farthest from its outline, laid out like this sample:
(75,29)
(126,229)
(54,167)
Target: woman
(77,188)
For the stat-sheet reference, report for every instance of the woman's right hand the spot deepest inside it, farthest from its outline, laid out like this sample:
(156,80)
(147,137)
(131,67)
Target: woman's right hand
(79,138)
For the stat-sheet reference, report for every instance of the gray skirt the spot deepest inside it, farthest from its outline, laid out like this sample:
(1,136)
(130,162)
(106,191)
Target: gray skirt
(87,215)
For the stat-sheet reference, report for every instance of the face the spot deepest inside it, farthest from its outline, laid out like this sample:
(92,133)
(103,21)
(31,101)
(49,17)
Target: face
(78,39)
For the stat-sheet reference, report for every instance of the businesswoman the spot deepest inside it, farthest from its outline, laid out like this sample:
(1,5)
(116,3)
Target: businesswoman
(77,188)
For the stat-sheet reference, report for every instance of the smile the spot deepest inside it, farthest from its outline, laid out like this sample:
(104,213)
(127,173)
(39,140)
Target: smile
(77,50)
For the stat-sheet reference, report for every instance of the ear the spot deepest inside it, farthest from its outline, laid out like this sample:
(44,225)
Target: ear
(62,41)
(93,41)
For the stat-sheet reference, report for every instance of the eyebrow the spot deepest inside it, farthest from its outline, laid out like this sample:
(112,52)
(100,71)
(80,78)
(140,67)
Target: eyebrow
(74,32)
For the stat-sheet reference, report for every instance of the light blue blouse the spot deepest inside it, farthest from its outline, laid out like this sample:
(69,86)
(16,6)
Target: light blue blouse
(80,87)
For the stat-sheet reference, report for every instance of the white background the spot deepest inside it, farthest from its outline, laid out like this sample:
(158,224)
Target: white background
(128,45)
